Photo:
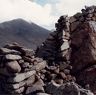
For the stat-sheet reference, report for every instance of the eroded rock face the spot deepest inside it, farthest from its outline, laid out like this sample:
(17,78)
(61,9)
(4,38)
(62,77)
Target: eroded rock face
(83,44)
(84,47)
(73,43)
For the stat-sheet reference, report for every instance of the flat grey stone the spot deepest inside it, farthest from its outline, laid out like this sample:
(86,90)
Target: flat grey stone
(27,52)
(65,45)
(42,94)
(34,88)
(18,91)
(13,66)
(12,57)
(39,66)
(26,82)
(15,86)
(9,51)
(20,77)
(30,80)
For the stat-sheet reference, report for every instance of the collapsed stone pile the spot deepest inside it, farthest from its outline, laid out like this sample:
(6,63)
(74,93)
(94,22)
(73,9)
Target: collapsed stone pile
(18,68)
(21,73)
(70,59)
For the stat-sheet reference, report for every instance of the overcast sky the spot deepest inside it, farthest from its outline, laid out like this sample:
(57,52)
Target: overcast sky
(41,12)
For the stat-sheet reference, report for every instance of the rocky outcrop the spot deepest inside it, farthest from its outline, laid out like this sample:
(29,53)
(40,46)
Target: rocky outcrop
(56,49)
(73,43)
(83,55)
(21,73)
(70,54)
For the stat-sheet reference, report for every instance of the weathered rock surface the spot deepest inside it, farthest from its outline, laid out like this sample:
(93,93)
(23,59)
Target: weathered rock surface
(20,77)
(12,57)
(73,45)
(84,41)
(67,58)
(13,66)
(83,44)
(18,69)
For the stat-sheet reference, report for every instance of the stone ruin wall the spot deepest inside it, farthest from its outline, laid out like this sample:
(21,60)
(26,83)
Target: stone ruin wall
(74,43)
(62,61)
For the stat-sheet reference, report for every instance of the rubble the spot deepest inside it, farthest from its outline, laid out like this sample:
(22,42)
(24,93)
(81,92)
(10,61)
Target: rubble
(63,65)
(17,74)
(24,77)
(73,44)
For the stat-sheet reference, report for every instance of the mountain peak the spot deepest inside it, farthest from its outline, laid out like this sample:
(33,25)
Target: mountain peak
(23,32)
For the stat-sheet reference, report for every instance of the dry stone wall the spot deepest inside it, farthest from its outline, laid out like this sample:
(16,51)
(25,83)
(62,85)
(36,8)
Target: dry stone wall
(18,68)
(21,73)
(67,58)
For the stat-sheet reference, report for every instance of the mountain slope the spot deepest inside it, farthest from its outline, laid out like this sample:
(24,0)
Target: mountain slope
(26,34)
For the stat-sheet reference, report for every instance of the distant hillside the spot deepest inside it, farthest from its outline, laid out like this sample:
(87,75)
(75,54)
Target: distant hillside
(26,34)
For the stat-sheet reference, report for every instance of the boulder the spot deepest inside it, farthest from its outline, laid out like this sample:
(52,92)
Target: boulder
(65,45)
(18,91)
(39,66)
(13,66)
(83,46)
(26,82)
(20,77)
(36,87)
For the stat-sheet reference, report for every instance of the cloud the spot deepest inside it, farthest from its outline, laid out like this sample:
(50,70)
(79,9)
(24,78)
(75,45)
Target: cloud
(30,11)
(41,12)
(70,7)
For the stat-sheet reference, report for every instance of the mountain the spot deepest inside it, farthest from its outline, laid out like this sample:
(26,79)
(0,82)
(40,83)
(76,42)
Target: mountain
(22,32)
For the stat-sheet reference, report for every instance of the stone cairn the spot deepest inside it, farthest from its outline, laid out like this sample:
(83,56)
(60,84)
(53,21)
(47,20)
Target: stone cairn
(56,51)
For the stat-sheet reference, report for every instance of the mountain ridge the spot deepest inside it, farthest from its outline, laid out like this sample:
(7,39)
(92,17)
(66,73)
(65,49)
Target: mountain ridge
(22,32)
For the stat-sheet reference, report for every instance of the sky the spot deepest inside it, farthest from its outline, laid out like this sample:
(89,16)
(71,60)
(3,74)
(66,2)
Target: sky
(42,12)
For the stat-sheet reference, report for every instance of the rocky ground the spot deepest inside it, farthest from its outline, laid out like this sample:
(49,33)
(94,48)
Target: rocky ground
(21,73)
(63,65)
